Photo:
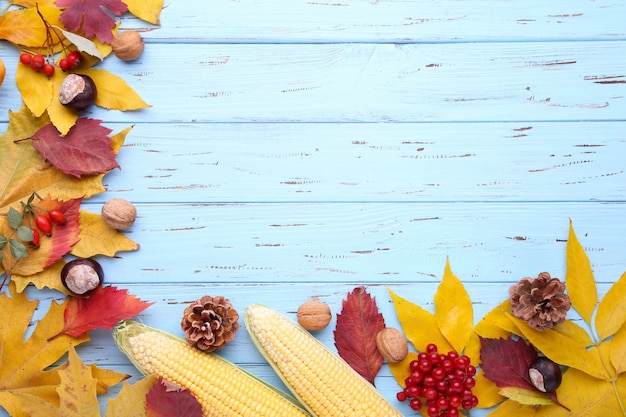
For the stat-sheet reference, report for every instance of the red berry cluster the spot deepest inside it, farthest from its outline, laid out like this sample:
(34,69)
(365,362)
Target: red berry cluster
(44,224)
(40,63)
(441,383)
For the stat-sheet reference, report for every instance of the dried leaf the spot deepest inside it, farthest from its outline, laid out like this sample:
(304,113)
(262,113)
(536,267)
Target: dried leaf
(94,15)
(581,284)
(162,401)
(104,308)
(454,313)
(82,44)
(85,150)
(355,335)
(131,401)
(25,361)
(148,10)
(505,362)
(98,238)
(611,314)
(113,92)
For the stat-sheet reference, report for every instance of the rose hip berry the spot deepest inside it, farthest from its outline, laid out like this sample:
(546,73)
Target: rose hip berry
(57,216)
(36,239)
(44,224)
(441,383)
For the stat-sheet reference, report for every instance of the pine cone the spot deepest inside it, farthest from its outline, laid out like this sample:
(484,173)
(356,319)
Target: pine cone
(540,301)
(210,323)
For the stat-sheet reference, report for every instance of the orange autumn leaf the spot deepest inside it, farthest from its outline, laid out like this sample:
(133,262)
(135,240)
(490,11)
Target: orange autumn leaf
(103,309)
(355,334)
(28,362)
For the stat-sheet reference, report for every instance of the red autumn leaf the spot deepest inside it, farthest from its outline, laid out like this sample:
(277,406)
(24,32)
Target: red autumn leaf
(168,400)
(355,335)
(505,362)
(95,16)
(85,150)
(103,309)
(64,236)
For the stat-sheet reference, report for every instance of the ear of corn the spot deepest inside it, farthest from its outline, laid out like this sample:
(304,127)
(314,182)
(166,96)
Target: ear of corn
(319,378)
(222,388)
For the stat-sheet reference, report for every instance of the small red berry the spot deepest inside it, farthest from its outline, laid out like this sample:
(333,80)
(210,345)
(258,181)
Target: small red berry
(401,396)
(25,58)
(37,62)
(48,69)
(431,347)
(73,59)
(36,239)
(57,216)
(44,224)
(64,65)
(415,404)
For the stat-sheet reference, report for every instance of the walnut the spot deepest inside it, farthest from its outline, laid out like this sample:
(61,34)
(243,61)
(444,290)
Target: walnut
(540,301)
(127,45)
(119,213)
(392,344)
(314,315)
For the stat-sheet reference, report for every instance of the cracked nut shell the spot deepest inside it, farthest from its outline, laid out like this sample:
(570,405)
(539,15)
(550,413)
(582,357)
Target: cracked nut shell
(81,276)
(392,344)
(118,213)
(77,92)
(128,45)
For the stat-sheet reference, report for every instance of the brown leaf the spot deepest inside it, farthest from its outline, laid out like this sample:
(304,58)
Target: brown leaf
(102,309)
(355,334)
(163,401)
(85,150)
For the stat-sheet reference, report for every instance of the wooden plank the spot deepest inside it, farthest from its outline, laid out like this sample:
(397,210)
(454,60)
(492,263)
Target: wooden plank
(566,81)
(195,243)
(245,21)
(252,162)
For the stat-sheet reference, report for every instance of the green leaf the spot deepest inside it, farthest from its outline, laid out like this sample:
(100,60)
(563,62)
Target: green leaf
(453,310)
(525,396)
(18,249)
(25,233)
(581,284)
(611,314)
(3,242)
(14,217)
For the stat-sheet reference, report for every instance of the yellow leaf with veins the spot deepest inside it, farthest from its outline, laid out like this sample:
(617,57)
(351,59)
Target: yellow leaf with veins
(131,401)
(148,10)
(581,284)
(113,92)
(98,238)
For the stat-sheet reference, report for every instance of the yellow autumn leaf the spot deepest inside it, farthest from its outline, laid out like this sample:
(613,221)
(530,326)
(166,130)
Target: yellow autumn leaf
(24,361)
(454,314)
(48,278)
(611,314)
(148,10)
(35,88)
(618,350)
(510,408)
(419,325)
(131,401)
(525,396)
(486,391)
(62,117)
(581,284)
(113,92)
(399,370)
(98,238)
(573,331)
(22,27)
(563,349)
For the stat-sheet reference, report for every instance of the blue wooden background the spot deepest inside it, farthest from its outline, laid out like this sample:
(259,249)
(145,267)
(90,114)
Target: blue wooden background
(303,148)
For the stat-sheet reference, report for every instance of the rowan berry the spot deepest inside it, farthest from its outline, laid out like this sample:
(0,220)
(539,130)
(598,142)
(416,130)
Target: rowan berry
(64,65)
(37,62)
(73,59)
(48,69)
(25,58)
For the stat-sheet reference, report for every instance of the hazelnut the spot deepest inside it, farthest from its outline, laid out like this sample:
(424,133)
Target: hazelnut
(314,315)
(127,45)
(77,92)
(82,276)
(545,374)
(392,344)
(119,213)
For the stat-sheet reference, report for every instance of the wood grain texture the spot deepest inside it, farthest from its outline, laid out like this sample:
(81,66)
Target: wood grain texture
(301,148)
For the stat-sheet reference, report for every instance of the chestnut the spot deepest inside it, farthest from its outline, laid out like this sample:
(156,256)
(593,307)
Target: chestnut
(545,374)
(82,276)
(77,92)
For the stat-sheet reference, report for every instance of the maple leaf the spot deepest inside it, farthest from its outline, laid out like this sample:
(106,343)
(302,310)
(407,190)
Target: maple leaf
(104,308)
(93,16)
(85,150)
(25,361)
(167,400)
(131,401)
(355,334)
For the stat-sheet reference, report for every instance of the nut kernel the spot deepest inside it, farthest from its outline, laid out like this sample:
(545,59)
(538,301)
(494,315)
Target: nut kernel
(119,213)
(392,344)
(314,315)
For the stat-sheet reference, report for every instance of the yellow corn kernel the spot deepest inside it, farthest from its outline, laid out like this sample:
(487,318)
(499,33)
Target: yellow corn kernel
(221,387)
(325,384)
